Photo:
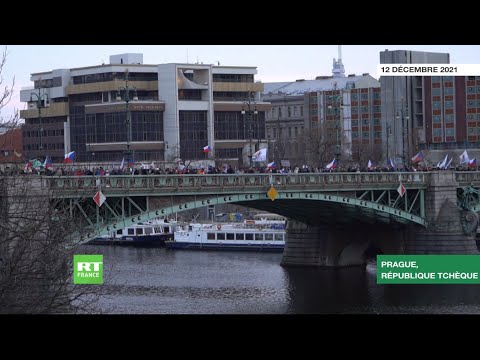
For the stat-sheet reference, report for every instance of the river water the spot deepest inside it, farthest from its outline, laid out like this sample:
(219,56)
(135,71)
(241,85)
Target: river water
(160,281)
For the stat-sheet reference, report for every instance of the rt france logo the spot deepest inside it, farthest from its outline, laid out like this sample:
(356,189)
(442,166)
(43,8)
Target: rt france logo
(88,269)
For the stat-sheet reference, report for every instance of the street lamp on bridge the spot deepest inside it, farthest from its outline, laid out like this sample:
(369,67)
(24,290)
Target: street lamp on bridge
(334,108)
(249,108)
(402,113)
(41,101)
(125,90)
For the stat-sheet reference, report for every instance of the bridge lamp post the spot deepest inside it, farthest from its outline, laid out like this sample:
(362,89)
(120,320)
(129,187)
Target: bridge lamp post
(335,107)
(41,101)
(389,132)
(402,113)
(125,90)
(251,109)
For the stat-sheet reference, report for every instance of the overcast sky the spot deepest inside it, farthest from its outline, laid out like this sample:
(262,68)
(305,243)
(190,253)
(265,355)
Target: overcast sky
(274,62)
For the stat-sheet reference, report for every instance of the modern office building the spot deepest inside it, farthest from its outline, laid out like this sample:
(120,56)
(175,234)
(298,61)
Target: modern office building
(162,112)
(452,113)
(328,116)
(403,107)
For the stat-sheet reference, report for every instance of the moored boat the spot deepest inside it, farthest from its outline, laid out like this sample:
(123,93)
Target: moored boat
(258,235)
(150,233)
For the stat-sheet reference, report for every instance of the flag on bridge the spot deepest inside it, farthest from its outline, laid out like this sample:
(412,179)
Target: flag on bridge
(419,157)
(369,165)
(401,190)
(260,155)
(122,165)
(207,149)
(464,159)
(271,165)
(332,165)
(443,164)
(48,162)
(70,157)
(392,164)
(472,163)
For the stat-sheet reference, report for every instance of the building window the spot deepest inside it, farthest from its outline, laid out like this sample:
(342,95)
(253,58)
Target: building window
(279,112)
(437,132)
(294,111)
(437,105)
(435,78)
(365,134)
(436,92)
(289,132)
(449,91)
(449,118)
(450,131)
(448,104)
(289,109)
(470,89)
(296,131)
(273,112)
(301,110)
(437,119)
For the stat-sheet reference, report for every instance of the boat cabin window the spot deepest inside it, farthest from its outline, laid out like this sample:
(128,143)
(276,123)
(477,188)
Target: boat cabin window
(158,229)
(220,236)
(139,231)
(148,231)
(278,237)
(258,236)
(131,231)
(239,236)
(230,236)
(119,232)
(249,236)
(269,236)
(210,236)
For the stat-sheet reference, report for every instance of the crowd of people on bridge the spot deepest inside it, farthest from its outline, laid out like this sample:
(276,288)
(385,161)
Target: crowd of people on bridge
(72,170)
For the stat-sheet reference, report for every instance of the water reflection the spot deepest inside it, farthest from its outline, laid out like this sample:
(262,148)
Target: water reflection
(318,291)
(208,282)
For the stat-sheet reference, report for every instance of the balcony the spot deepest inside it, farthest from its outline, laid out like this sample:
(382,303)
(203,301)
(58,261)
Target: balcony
(109,86)
(55,109)
(237,86)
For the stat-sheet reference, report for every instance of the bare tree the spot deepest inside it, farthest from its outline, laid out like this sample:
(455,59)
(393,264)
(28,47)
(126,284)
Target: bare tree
(36,250)
(320,144)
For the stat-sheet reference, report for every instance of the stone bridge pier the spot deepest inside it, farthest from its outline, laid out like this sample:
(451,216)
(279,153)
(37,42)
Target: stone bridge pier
(331,246)
(449,230)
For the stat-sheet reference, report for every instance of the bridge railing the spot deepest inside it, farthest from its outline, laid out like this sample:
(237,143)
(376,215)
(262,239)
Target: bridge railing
(468,177)
(131,182)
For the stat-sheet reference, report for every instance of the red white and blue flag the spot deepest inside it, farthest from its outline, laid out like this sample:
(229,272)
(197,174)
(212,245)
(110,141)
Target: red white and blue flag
(271,165)
(207,149)
(332,165)
(48,162)
(419,157)
(70,157)
(472,163)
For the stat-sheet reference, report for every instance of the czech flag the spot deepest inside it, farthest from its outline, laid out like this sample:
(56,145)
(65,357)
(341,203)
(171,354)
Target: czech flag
(472,163)
(271,165)
(419,157)
(48,162)
(207,149)
(70,157)
(332,165)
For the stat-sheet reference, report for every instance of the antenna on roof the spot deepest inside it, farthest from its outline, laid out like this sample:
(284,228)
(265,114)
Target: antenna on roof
(338,69)
(187,55)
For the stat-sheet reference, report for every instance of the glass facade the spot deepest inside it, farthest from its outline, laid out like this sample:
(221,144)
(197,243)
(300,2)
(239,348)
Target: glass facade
(112,128)
(193,134)
(232,125)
